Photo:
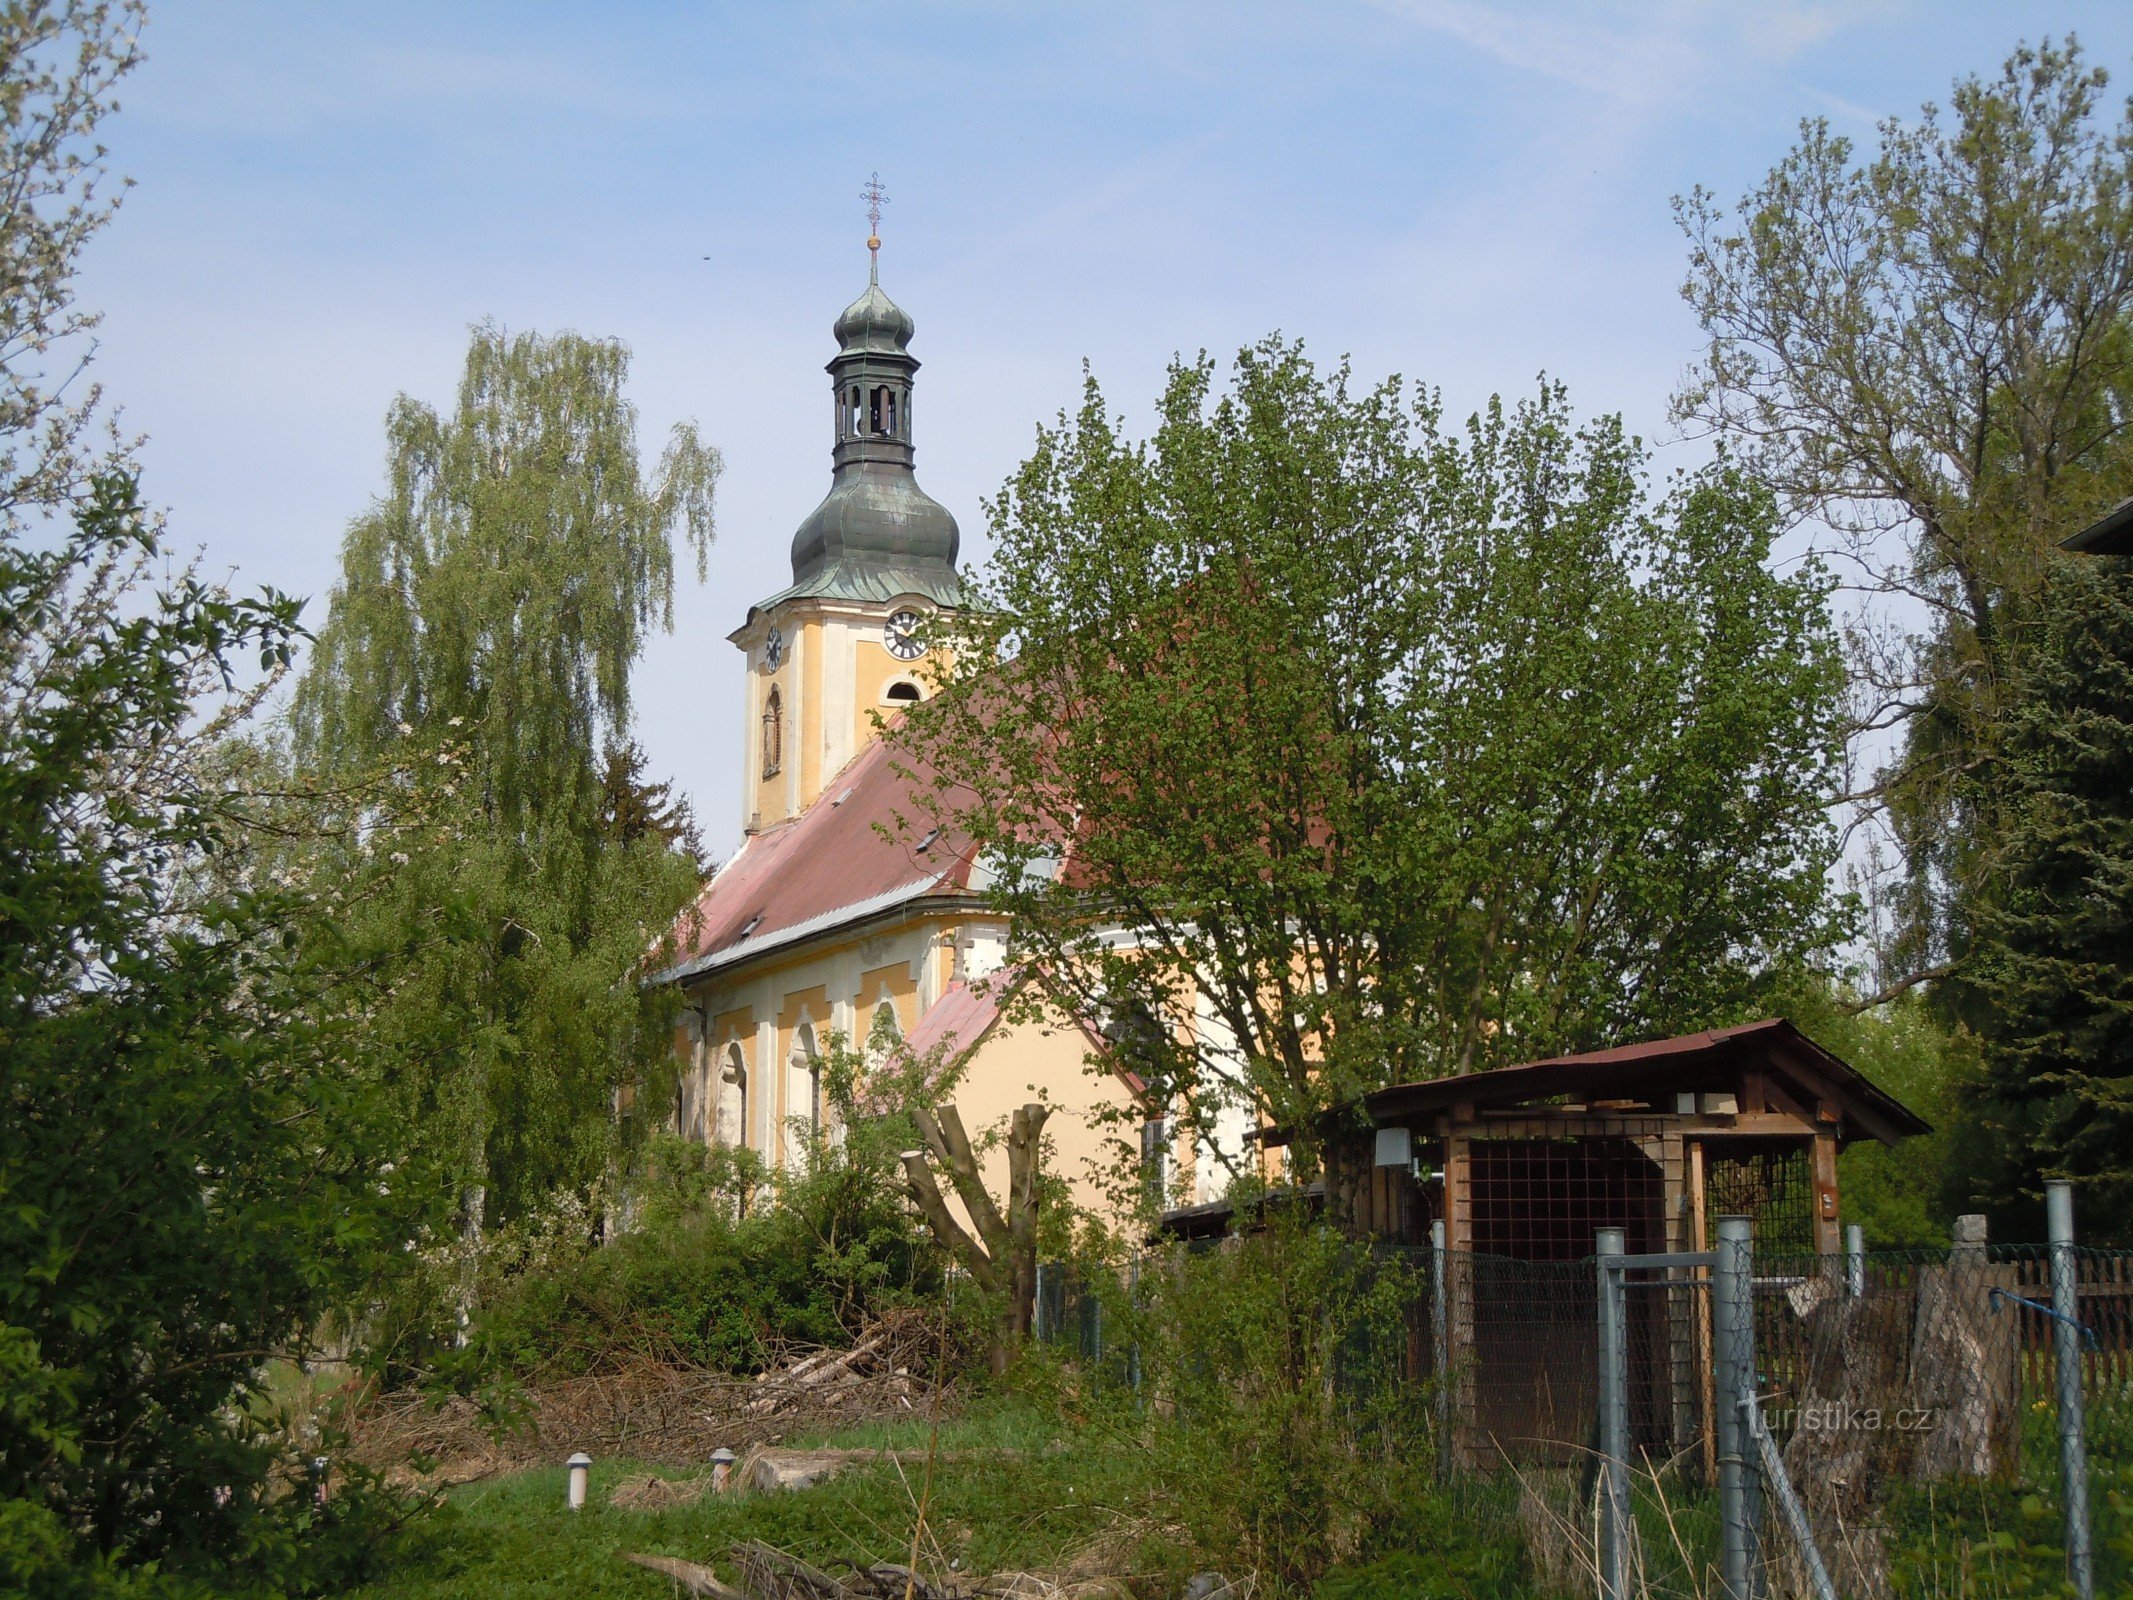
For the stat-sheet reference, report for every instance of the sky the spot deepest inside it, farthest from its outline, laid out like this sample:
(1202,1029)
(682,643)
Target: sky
(327,198)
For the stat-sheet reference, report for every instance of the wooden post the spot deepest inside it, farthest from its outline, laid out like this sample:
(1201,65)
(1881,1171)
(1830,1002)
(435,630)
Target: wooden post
(1459,1289)
(1684,1304)
(1829,1239)
(1700,1239)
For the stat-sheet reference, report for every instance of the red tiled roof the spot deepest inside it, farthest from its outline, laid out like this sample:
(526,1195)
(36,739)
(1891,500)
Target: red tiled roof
(827,867)
(961,1017)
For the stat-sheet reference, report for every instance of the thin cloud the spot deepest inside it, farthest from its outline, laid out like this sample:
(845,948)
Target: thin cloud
(1645,56)
(1644,65)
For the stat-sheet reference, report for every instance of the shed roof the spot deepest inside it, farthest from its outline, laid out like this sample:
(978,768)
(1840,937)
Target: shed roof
(1655,1068)
(2109,535)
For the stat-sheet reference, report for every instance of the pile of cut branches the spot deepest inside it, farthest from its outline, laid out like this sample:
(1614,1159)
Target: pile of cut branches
(669,1415)
(881,1373)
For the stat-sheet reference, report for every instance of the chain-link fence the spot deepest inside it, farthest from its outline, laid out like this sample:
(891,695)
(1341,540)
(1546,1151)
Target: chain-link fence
(1911,1432)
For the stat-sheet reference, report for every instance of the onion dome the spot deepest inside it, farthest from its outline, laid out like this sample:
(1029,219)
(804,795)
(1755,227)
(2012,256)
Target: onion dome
(874,323)
(876,535)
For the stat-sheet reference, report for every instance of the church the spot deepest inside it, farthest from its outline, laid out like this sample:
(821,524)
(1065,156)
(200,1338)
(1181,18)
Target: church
(827,920)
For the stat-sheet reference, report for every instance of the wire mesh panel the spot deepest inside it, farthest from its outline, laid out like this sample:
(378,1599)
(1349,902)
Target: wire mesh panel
(1910,1401)
(1523,1357)
(1770,1181)
(1541,1199)
(1669,1358)
(1068,1311)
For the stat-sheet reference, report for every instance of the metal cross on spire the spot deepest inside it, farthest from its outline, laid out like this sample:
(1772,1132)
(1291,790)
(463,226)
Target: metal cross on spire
(876,197)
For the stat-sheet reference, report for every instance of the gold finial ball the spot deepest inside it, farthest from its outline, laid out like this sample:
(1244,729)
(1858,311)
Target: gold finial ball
(873,241)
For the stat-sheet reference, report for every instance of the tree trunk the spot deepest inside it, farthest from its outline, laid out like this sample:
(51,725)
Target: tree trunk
(1002,1256)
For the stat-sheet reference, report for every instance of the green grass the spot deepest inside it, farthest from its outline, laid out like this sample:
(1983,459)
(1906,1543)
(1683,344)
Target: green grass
(510,1538)
(990,1422)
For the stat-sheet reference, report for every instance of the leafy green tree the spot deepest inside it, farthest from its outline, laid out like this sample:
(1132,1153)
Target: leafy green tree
(1929,350)
(1398,751)
(188,1184)
(490,608)
(2049,985)
(1903,1196)
(507,578)
(60,64)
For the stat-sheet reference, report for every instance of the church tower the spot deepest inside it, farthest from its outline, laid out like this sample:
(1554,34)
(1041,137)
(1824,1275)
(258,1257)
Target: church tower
(870,566)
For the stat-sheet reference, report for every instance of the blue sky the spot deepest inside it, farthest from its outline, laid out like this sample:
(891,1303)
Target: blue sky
(1460,192)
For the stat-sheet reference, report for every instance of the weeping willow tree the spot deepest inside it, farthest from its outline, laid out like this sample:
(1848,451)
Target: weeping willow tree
(490,607)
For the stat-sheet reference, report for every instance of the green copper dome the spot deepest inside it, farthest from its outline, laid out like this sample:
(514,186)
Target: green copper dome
(875,323)
(877,534)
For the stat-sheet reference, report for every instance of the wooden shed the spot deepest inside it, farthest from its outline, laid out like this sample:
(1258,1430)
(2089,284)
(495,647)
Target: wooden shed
(1524,1164)
(1656,1139)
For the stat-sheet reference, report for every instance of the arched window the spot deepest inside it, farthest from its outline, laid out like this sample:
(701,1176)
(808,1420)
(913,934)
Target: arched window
(732,1126)
(773,733)
(884,1032)
(881,411)
(902,692)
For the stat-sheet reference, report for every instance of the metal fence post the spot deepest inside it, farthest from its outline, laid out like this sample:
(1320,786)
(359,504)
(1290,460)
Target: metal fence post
(2066,1338)
(1614,1419)
(1733,1349)
(1440,1338)
(1855,1260)
(1133,1350)
(1040,1332)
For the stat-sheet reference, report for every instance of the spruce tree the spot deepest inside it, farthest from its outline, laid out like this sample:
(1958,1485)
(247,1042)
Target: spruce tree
(2049,986)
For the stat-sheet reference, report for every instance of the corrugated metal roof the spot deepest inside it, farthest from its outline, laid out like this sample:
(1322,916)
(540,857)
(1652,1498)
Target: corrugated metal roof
(1651,1066)
(2109,535)
(828,867)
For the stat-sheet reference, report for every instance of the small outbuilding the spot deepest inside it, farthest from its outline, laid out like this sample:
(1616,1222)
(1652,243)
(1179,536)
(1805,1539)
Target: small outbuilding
(1657,1139)
(1523,1165)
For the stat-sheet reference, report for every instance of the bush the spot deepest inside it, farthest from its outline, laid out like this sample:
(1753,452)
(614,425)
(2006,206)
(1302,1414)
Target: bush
(1273,1375)
(707,1276)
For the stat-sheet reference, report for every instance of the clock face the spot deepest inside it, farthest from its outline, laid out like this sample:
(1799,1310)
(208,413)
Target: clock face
(899,636)
(774,650)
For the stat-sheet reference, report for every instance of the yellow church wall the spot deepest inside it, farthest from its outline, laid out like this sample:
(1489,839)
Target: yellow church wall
(768,804)
(1016,1063)
(831,684)
(1196,1171)
(893,983)
(730,1030)
(810,658)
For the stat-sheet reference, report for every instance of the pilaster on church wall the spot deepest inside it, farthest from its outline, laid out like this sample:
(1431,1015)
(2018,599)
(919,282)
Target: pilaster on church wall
(813,670)
(837,985)
(838,691)
(751,741)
